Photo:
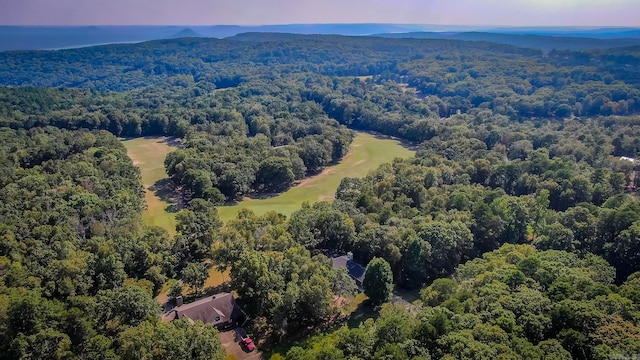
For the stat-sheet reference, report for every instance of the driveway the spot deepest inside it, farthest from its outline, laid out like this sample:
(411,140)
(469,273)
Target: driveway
(231,342)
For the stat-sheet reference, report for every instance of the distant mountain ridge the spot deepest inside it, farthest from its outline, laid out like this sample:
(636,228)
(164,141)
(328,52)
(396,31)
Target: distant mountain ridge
(184,33)
(535,41)
(596,33)
(58,37)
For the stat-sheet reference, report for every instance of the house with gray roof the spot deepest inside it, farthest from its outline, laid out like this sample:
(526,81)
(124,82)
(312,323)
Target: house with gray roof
(355,270)
(220,310)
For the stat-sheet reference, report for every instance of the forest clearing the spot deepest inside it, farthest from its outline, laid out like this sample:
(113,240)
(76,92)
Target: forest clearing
(148,155)
(367,152)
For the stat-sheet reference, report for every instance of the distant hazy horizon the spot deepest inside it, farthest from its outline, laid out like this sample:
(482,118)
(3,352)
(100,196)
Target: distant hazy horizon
(438,27)
(479,13)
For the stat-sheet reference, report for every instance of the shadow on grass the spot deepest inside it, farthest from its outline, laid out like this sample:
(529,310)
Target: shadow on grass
(253,196)
(212,290)
(265,195)
(363,312)
(167,192)
(408,295)
(404,142)
(172,141)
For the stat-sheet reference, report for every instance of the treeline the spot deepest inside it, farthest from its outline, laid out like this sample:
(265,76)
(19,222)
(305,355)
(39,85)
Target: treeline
(515,302)
(279,131)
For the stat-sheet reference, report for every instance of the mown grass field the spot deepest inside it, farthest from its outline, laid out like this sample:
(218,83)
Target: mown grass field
(366,154)
(149,154)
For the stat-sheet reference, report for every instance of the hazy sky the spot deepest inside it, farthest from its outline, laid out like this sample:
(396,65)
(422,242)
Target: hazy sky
(253,12)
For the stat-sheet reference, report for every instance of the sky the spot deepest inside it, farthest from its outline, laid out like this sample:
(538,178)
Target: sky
(619,13)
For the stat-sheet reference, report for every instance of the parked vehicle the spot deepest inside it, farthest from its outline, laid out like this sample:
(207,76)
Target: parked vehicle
(248,343)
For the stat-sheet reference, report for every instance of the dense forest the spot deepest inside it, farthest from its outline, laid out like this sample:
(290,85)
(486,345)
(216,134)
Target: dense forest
(513,303)
(518,219)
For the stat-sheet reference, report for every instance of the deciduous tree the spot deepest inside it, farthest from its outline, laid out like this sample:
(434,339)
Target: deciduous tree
(378,281)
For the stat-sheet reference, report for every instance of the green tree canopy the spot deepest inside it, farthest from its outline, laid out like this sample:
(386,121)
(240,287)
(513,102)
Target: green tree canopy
(378,281)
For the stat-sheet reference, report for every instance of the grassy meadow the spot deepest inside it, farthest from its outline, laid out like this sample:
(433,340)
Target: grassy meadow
(148,154)
(367,152)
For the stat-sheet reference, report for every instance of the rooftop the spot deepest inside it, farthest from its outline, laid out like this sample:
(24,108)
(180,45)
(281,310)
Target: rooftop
(354,269)
(216,309)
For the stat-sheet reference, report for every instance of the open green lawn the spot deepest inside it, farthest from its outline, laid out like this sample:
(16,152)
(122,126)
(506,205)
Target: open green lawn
(367,153)
(149,154)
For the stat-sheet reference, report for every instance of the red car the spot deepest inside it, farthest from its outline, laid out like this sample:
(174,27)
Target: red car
(248,343)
